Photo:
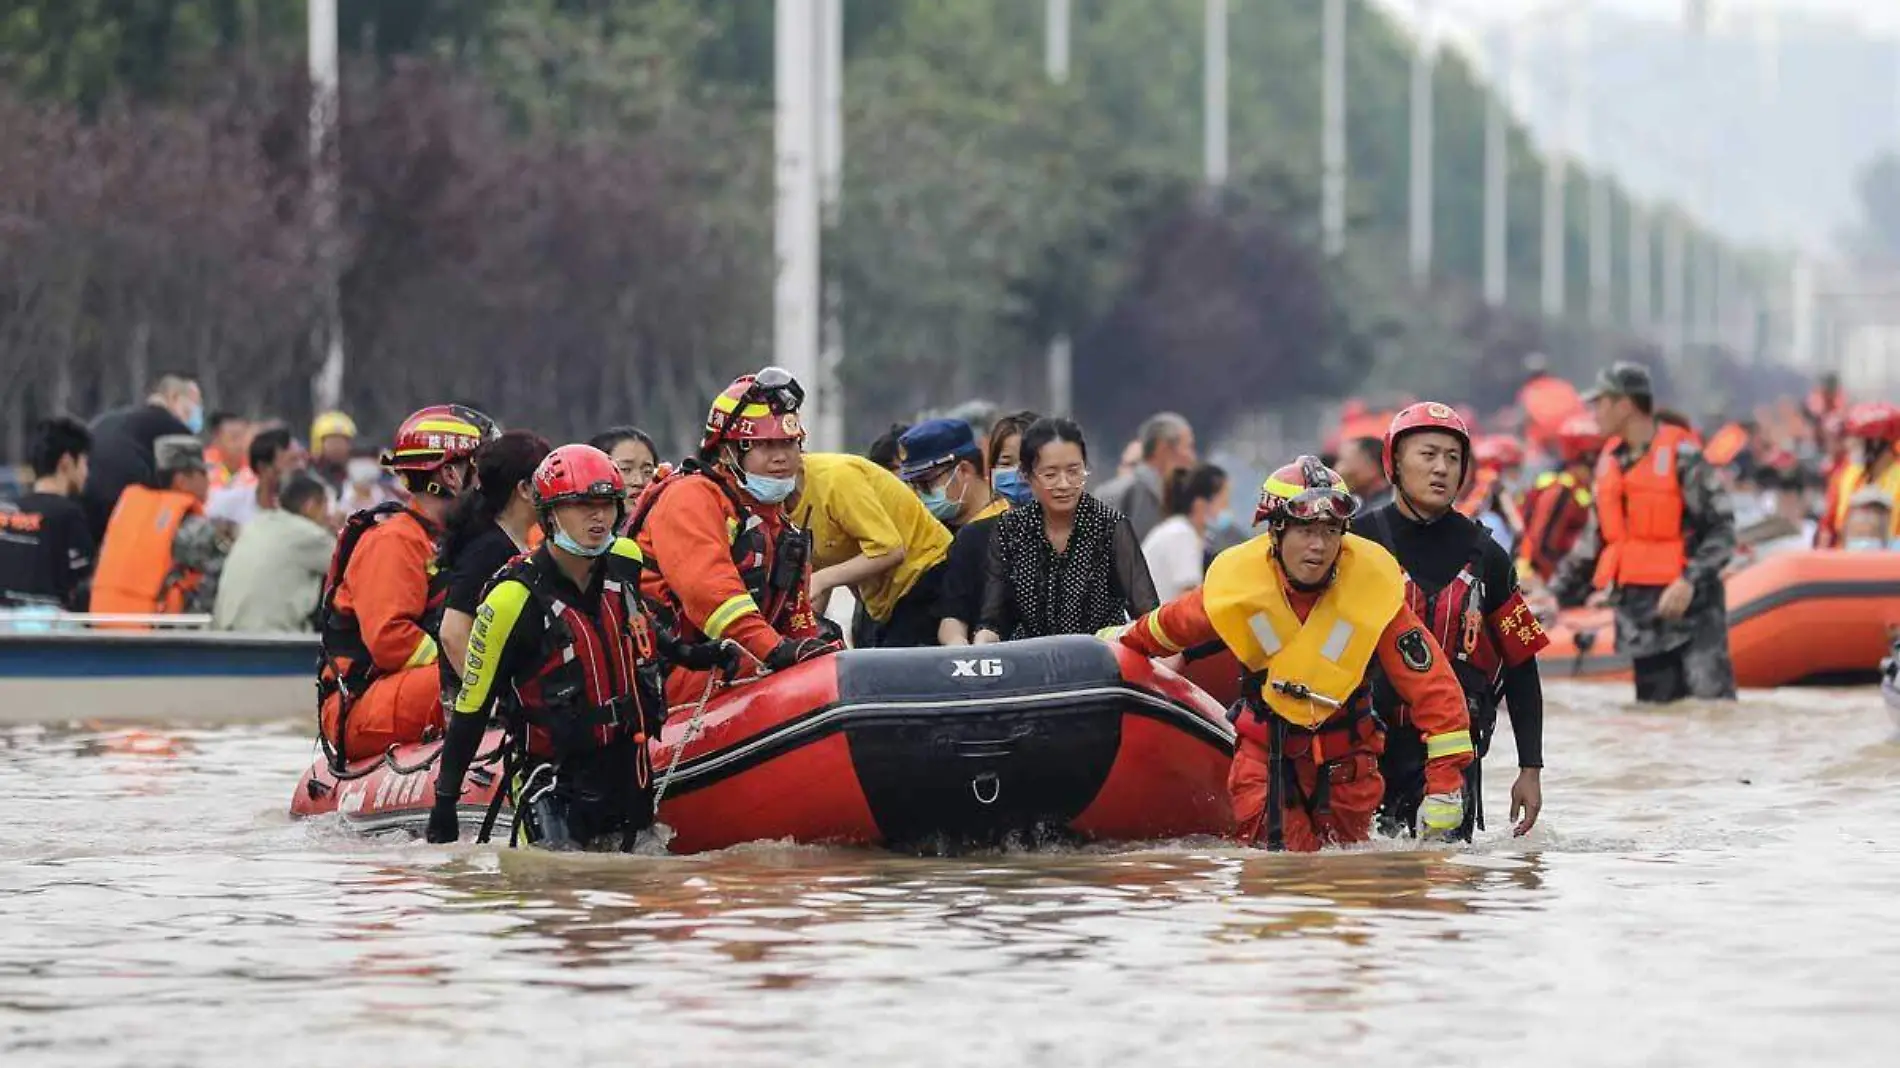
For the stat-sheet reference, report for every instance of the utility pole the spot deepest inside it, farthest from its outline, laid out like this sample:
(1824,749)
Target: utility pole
(1214,96)
(1675,311)
(829,424)
(1641,255)
(1601,252)
(1333,137)
(1055,58)
(1555,235)
(1424,66)
(1496,169)
(797,296)
(326,387)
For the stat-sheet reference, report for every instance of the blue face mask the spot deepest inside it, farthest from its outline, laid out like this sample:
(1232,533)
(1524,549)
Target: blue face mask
(1866,545)
(768,490)
(938,502)
(569,545)
(195,419)
(1012,486)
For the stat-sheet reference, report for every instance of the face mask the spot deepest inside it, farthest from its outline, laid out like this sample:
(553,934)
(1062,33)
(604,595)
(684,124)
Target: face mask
(940,505)
(1224,523)
(1012,486)
(1866,545)
(195,419)
(769,490)
(569,545)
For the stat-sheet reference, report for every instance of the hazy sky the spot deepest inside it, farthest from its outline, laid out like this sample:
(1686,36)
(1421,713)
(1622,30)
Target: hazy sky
(1880,14)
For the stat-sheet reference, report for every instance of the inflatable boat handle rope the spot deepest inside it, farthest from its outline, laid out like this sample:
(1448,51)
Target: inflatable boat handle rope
(389,761)
(697,723)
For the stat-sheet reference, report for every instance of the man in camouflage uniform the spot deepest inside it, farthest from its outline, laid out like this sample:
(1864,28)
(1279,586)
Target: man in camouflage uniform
(1676,635)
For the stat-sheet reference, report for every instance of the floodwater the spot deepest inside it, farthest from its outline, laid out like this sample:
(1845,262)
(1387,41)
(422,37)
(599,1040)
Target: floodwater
(1710,886)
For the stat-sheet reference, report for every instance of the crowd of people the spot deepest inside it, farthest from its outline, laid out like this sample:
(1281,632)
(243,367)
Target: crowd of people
(1385,604)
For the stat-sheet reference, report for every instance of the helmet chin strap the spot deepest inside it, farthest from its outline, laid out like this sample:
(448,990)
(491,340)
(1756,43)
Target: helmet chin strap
(1419,515)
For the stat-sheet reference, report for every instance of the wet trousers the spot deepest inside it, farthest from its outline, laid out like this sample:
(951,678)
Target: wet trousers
(1701,669)
(1345,817)
(395,710)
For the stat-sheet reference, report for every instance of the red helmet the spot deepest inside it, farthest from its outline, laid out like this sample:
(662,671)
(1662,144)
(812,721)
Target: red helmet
(1426,415)
(1305,491)
(577,473)
(1873,421)
(1579,439)
(437,435)
(1497,452)
(761,407)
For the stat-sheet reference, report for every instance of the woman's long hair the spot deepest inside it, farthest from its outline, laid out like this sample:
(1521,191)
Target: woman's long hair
(500,466)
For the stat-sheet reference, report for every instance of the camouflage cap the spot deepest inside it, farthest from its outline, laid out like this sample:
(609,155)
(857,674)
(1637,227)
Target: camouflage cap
(178,452)
(1622,379)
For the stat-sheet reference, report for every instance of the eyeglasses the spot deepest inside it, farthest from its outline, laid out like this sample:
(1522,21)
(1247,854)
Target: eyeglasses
(1055,477)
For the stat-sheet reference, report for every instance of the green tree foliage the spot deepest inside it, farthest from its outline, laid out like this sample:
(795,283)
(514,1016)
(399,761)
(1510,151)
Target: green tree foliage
(565,207)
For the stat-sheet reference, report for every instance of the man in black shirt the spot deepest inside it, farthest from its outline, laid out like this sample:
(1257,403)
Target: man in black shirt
(1462,584)
(122,444)
(46,548)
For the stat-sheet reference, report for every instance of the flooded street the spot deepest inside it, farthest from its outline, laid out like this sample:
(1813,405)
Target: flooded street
(1709,886)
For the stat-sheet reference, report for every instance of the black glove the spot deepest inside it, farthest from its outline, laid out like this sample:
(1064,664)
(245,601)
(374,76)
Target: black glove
(705,656)
(797,651)
(444,827)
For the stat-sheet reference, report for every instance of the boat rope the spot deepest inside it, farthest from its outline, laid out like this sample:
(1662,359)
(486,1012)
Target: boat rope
(697,724)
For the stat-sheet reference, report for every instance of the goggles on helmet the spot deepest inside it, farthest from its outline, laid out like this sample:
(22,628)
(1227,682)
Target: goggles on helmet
(1318,505)
(777,389)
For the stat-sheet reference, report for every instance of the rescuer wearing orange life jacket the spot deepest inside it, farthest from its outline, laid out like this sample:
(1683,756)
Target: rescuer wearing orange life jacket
(1872,430)
(1558,506)
(725,561)
(161,555)
(1460,582)
(1307,608)
(562,646)
(1490,495)
(1661,535)
(381,604)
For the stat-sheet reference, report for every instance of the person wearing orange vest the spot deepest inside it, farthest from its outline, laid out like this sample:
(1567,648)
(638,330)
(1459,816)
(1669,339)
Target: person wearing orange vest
(381,607)
(160,555)
(1872,430)
(1557,508)
(1308,609)
(1662,533)
(725,559)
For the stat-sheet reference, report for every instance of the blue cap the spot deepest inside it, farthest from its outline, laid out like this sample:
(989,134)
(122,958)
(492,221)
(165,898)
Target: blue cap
(933,443)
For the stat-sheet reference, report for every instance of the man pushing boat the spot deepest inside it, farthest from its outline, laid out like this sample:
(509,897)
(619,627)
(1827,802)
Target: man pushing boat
(1306,608)
(562,643)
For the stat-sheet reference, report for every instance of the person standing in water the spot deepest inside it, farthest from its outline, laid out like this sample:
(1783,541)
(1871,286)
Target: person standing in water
(1659,539)
(1307,609)
(1462,584)
(561,644)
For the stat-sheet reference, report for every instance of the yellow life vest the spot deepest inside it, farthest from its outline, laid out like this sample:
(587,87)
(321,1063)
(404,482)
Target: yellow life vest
(1328,654)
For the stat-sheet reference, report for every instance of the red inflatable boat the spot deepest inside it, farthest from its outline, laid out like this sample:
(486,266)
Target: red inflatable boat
(1056,739)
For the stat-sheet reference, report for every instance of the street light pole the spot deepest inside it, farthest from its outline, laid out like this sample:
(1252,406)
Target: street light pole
(1055,57)
(326,387)
(1496,169)
(1214,96)
(1424,64)
(795,133)
(1333,137)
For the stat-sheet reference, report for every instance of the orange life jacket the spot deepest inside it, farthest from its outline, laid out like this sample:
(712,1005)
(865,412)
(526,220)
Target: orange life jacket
(135,574)
(1639,513)
(1556,512)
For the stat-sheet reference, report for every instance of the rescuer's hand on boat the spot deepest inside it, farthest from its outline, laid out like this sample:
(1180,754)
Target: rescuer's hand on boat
(797,651)
(1442,815)
(1527,800)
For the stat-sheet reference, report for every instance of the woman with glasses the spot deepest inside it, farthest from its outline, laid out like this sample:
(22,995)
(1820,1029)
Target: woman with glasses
(633,453)
(1064,563)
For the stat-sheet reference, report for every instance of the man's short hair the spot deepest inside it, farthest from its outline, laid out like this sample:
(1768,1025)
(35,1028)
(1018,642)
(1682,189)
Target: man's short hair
(57,437)
(266,445)
(299,492)
(1159,429)
(171,383)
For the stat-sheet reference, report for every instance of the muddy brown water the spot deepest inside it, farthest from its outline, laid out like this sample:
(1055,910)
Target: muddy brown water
(1709,886)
